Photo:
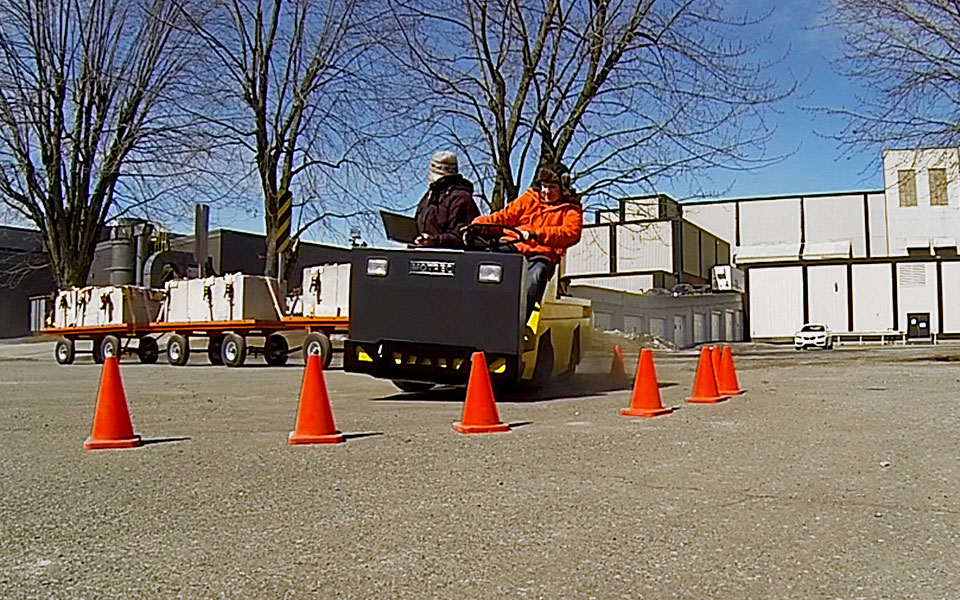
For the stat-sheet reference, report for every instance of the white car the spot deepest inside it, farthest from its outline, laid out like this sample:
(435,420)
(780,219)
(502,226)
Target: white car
(813,335)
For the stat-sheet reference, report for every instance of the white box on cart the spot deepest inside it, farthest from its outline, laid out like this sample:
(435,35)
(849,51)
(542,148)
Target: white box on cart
(326,291)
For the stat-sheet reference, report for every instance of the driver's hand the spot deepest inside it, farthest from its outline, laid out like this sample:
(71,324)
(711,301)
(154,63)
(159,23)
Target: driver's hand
(527,236)
(422,240)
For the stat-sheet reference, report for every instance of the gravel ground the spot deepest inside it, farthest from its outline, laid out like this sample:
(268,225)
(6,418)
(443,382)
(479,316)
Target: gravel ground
(833,477)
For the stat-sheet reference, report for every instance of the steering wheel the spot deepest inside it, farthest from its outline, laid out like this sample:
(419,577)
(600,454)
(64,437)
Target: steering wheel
(478,236)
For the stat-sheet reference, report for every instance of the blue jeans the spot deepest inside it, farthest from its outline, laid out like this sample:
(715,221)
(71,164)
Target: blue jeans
(539,272)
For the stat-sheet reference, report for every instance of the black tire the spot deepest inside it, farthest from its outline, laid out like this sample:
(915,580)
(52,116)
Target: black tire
(413,386)
(65,351)
(96,352)
(317,342)
(276,349)
(543,371)
(214,348)
(234,350)
(110,346)
(178,350)
(148,350)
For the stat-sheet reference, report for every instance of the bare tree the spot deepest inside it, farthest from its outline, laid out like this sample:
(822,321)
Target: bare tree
(906,54)
(85,98)
(627,92)
(285,98)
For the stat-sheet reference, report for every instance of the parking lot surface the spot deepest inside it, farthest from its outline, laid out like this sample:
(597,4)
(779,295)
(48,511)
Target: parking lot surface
(834,476)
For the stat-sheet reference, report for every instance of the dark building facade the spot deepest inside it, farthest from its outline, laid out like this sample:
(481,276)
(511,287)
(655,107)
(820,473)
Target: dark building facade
(24,274)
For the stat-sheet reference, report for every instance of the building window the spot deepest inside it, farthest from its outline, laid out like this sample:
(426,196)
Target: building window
(908,187)
(938,187)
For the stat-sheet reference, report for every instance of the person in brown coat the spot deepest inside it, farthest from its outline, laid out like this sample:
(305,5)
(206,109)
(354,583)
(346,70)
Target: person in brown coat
(447,206)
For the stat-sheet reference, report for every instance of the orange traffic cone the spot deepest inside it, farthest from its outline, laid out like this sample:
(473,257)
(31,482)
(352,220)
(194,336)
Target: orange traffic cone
(705,384)
(646,391)
(480,409)
(727,383)
(617,370)
(112,427)
(715,352)
(314,417)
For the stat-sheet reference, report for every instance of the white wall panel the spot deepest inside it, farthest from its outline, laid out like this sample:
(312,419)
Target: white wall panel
(872,298)
(624,283)
(591,255)
(770,222)
(647,247)
(835,219)
(827,296)
(877,210)
(917,292)
(951,297)
(776,301)
(718,218)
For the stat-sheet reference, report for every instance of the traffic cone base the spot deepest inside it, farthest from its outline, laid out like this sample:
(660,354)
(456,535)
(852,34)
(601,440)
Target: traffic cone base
(112,427)
(645,401)
(314,416)
(92,444)
(646,412)
(329,438)
(480,413)
(708,399)
(496,428)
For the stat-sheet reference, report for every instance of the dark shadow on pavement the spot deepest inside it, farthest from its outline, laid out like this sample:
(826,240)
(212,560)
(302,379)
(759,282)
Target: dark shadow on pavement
(163,440)
(361,434)
(580,385)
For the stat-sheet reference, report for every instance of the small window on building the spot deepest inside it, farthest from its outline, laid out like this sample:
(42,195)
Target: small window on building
(938,187)
(907,179)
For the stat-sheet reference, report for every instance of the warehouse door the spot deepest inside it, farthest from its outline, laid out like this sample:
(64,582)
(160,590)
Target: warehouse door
(918,325)
(679,335)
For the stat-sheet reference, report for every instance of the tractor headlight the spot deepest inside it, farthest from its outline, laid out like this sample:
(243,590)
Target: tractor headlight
(490,274)
(377,267)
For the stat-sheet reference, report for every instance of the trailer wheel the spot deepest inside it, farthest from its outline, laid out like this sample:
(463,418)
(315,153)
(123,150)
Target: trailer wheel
(178,350)
(234,350)
(110,346)
(97,352)
(276,351)
(148,351)
(214,346)
(318,343)
(412,386)
(64,352)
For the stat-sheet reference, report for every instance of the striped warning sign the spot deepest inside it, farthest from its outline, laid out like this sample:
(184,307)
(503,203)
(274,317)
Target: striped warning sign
(284,219)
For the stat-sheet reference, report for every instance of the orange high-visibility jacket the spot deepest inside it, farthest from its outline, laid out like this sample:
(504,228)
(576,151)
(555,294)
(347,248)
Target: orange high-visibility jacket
(556,226)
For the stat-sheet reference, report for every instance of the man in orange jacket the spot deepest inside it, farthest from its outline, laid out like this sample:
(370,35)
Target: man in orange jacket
(550,220)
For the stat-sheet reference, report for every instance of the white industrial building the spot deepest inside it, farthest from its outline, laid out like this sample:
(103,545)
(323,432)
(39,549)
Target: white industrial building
(878,263)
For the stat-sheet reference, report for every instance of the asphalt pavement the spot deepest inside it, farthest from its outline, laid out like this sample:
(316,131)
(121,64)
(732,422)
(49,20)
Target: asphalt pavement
(834,476)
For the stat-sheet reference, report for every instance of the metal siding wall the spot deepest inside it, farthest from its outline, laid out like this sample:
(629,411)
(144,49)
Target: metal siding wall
(827,296)
(835,218)
(917,297)
(921,221)
(647,247)
(717,218)
(872,298)
(951,297)
(770,222)
(878,225)
(708,254)
(591,255)
(776,302)
(691,249)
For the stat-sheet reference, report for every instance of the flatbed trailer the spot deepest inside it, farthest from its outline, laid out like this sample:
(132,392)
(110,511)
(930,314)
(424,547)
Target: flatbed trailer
(227,341)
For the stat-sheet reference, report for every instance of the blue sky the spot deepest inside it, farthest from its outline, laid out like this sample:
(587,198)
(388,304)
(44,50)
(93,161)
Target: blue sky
(812,162)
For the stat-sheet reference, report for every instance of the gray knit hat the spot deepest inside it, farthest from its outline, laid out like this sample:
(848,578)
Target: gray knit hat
(442,164)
